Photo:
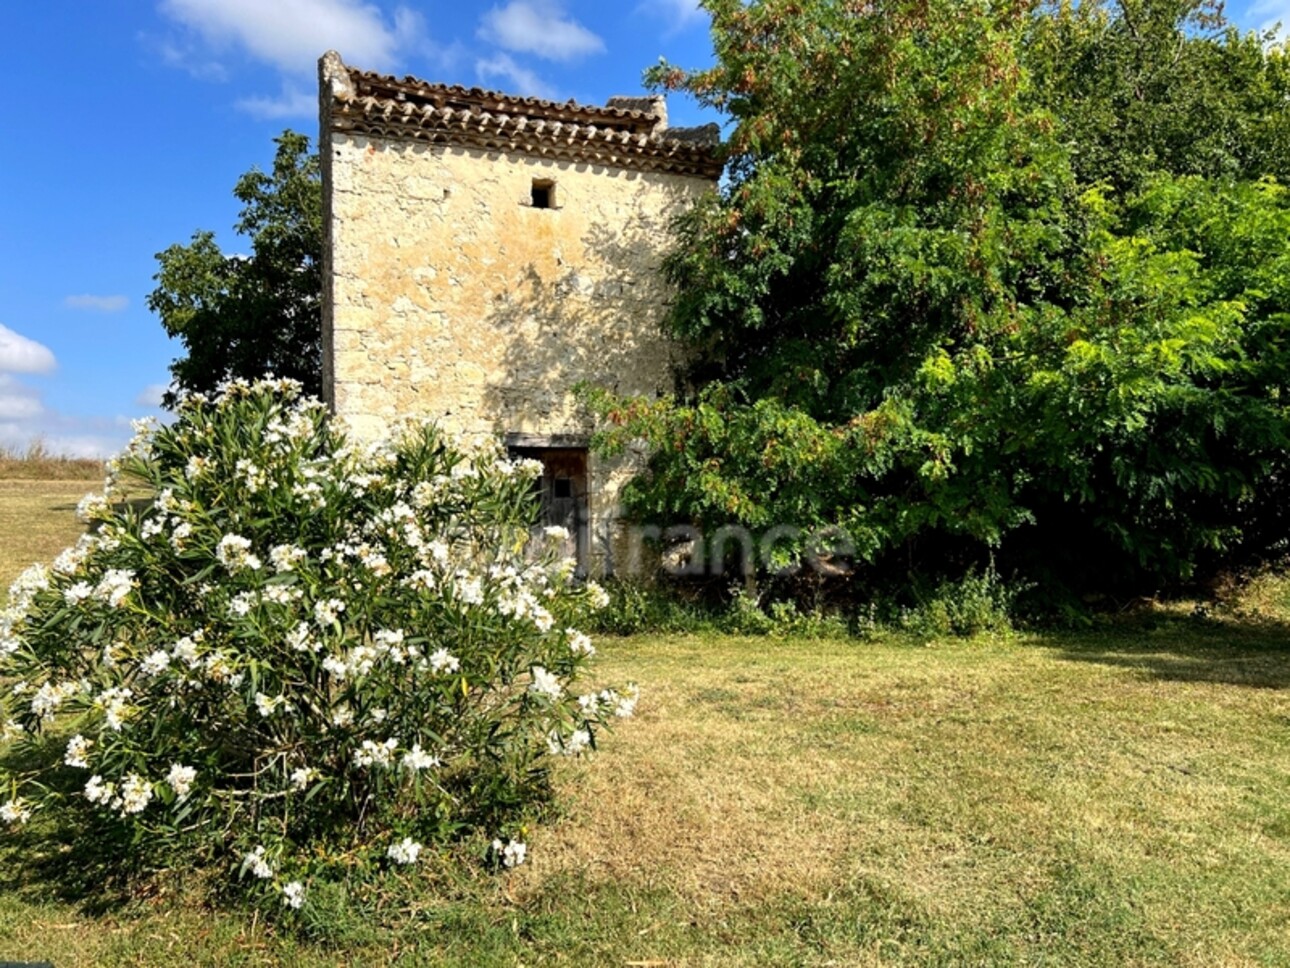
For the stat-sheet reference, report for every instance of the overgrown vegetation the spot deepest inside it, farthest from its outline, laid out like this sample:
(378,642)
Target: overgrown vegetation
(949,305)
(296,660)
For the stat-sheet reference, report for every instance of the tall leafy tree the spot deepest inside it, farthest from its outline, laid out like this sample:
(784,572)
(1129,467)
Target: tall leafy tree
(1141,86)
(246,315)
(915,319)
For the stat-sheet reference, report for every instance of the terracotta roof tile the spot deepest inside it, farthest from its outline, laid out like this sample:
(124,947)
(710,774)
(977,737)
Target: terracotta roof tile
(410,109)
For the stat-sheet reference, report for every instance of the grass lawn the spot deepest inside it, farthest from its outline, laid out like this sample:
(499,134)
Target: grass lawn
(1109,798)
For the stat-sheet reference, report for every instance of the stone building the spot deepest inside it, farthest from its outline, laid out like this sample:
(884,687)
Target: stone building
(485,253)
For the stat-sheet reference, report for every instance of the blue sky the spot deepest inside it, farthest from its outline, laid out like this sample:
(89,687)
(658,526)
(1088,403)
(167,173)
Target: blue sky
(130,120)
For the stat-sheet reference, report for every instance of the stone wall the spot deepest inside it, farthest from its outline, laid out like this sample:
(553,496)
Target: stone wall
(451,295)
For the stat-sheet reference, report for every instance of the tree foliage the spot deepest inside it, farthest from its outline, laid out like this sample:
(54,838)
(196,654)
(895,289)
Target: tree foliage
(934,304)
(241,316)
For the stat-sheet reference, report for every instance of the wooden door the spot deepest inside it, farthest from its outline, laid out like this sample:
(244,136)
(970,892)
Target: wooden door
(563,492)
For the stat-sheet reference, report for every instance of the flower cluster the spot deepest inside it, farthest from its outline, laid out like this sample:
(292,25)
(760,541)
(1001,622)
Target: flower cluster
(295,637)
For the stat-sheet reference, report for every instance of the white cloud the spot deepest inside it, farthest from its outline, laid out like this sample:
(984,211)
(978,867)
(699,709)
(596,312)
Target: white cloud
(292,34)
(18,401)
(97,304)
(679,14)
(291,103)
(186,57)
(18,354)
(539,27)
(25,419)
(517,79)
(151,395)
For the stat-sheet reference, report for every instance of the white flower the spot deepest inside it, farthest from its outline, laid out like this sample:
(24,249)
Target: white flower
(578,741)
(302,777)
(327,611)
(598,596)
(285,557)
(91,507)
(115,707)
(282,594)
(542,619)
(136,793)
(70,559)
(179,537)
(152,527)
(114,586)
(444,661)
(241,604)
(266,706)
(9,644)
(96,791)
(624,706)
(335,668)
(15,812)
(404,852)
(556,533)
(470,590)
(252,476)
(512,853)
(545,683)
(75,594)
(234,553)
(255,862)
(421,579)
(185,650)
(375,754)
(300,639)
(155,664)
(49,697)
(342,716)
(78,747)
(416,759)
(579,644)
(10,731)
(181,779)
(293,895)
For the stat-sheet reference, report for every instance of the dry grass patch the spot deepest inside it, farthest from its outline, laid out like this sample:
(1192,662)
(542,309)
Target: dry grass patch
(37,520)
(37,463)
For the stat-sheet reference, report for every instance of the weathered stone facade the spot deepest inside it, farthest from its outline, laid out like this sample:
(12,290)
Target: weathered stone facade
(449,292)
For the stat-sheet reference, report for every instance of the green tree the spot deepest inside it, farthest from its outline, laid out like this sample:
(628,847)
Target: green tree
(914,321)
(246,315)
(1140,86)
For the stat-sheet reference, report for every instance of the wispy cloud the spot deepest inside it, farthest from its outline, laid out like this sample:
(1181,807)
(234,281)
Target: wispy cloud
(289,36)
(678,14)
(518,79)
(291,103)
(539,27)
(26,418)
(97,304)
(151,395)
(18,354)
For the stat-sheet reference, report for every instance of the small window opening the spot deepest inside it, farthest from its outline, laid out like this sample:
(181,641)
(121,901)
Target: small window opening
(563,487)
(543,194)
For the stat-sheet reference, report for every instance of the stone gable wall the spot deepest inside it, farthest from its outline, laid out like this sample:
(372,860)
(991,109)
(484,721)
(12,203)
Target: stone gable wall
(450,295)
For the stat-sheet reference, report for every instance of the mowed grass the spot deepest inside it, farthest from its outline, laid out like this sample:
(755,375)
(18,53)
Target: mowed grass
(1118,798)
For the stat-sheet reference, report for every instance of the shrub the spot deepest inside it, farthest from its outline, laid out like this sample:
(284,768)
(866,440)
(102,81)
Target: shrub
(637,607)
(975,603)
(298,656)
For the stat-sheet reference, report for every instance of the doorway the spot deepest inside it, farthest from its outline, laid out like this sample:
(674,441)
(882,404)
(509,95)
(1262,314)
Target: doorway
(563,494)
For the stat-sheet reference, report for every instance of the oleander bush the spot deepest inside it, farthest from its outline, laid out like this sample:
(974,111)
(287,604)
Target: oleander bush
(298,656)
